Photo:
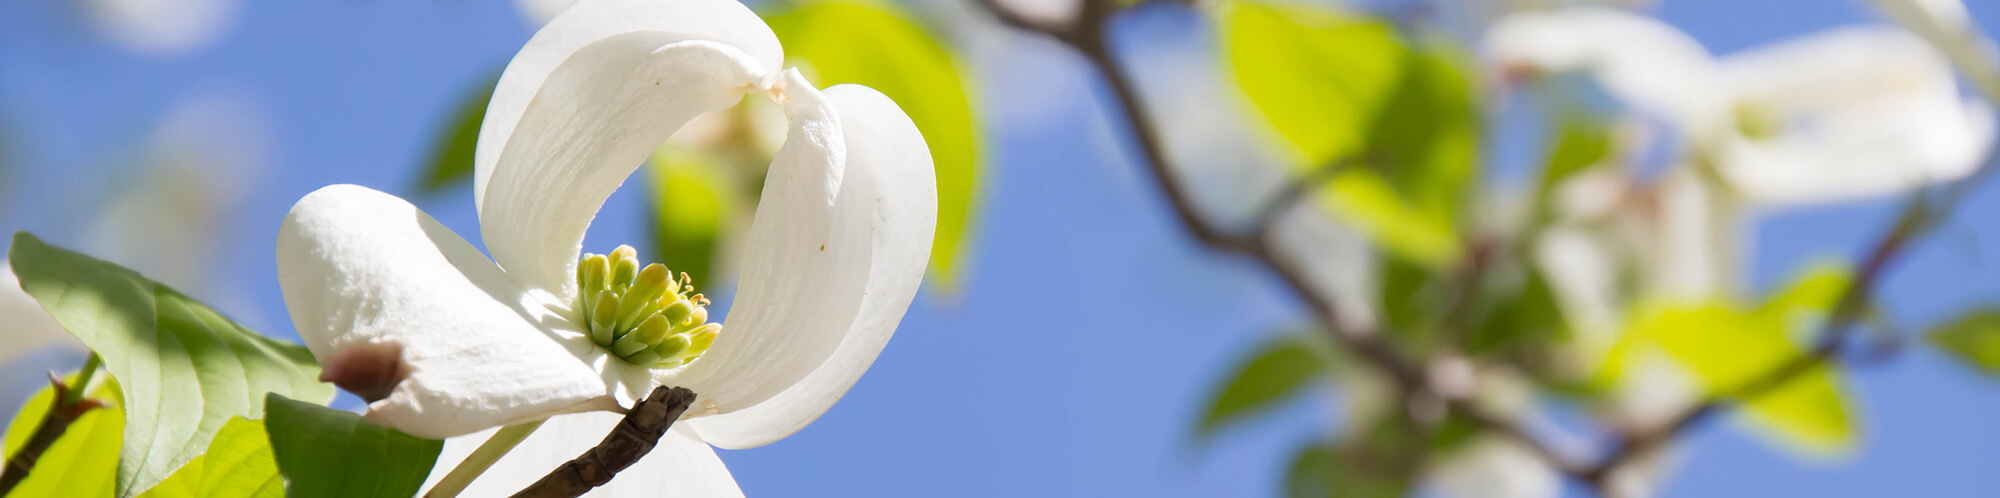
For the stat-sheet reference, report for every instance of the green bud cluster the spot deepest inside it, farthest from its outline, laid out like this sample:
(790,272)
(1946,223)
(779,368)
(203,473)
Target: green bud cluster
(642,314)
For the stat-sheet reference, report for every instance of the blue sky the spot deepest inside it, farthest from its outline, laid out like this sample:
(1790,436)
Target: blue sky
(1073,363)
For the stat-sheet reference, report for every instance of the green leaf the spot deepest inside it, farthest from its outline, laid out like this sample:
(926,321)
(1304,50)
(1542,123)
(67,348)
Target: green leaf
(1727,348)
(1581,142)
(1336,86)
(1518,308)
(1320,76)
(451,154)
(238,464)
(1974,338)
(326,452)
(83,461)
(873,44)
(1380,462)
(184,369)
(1425,141)
(1276,371)
(692,200)
(1367,200)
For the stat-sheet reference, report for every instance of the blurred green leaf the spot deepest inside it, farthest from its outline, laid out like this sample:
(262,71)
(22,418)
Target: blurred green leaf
(238,464)
(874,44)
(1379,462)
(1426,140)
(1368,201)
(691,203)
(451,154)
(1279,369)
(1411,296)
(1339,86)
(184,369)
(1974,338)
(1726,348)
(1518,307)
(1581,142)
(326,452)
(1319,75)
(85,459)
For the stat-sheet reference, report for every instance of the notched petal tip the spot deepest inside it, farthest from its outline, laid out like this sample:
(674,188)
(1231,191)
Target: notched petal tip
(369,370)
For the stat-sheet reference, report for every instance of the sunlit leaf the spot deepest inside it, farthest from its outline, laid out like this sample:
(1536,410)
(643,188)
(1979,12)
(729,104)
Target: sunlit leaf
(1727,348)
(1425,140)
(1974,338)
(184,369)
(326,452)
(450,161)
(1372,205)
(1318,75)
(1337,86)
(1276,371)
(692,200)
(238,465)
(82,461)
(873,44)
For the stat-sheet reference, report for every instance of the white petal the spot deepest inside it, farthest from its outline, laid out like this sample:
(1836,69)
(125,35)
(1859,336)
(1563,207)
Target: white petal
(1643,62)
(1490,467)
(1696,239)
(582,104)
(29,328)
(590,125)
(371,280)
(680,466)
(823,287)
(1866,111)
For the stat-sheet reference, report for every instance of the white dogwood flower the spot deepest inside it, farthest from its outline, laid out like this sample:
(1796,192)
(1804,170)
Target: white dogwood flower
(445,342)
(1841,114)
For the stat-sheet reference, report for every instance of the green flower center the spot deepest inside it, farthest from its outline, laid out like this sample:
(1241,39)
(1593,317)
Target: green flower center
(642,315)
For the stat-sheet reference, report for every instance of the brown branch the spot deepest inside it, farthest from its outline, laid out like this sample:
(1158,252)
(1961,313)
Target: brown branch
(632,439)
(64,409)
(1087,37)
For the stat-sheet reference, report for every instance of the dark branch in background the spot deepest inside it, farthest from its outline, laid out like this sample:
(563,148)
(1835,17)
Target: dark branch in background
(1087,35)
(65,407)
(632,439)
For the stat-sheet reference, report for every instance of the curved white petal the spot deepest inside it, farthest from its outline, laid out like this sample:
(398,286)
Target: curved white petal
(880,237)
(390,300)
(567,41)
(680,466)
(29,328)
(1864,111)
(1643,62)
(591,124)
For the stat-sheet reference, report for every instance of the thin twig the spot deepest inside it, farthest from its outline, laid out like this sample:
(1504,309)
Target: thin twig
(633,438)
(1087,37)
(64,409)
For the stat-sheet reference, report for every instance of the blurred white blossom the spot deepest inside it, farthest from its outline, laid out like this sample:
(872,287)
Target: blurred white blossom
(162,27)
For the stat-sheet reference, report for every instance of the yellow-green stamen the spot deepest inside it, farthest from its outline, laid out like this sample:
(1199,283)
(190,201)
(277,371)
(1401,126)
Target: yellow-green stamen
(642,314)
